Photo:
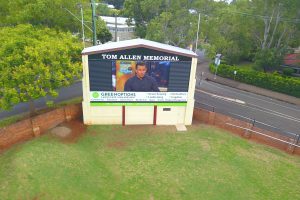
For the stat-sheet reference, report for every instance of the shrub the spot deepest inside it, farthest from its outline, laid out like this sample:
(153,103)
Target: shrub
(288,71)
(286,85)
(268,59)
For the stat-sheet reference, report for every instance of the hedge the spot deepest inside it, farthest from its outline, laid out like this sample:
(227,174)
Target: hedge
(271,81)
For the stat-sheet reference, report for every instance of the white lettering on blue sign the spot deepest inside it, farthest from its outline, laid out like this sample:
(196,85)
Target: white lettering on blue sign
(138,57)
(109,56)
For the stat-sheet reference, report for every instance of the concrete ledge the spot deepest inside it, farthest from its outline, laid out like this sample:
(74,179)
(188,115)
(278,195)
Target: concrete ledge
(181,127)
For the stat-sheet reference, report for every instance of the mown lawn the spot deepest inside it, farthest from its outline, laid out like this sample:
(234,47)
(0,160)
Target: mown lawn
(146,162)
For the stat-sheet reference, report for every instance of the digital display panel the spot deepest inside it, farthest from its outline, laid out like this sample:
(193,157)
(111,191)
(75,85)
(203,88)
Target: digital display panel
(121,78)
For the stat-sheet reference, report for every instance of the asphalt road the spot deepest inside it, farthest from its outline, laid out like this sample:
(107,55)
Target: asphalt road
(268,113)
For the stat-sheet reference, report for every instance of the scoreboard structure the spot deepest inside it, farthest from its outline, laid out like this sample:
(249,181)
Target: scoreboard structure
(107,68)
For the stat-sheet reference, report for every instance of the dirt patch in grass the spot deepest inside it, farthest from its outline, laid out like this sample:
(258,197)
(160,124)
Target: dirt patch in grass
(117,145)
(205,145)
(70,131)
(61,131)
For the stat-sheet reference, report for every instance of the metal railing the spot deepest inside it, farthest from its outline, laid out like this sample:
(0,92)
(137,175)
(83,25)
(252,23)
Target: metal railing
(292,136)
(268,136)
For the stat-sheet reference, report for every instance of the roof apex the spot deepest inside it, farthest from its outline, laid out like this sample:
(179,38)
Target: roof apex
(135,43)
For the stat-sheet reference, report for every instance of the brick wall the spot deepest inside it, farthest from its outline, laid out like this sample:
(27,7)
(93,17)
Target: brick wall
(19,131)
(223,121)
(37,125)
(33,127)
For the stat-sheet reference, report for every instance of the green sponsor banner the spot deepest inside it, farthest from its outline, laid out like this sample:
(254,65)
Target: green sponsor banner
(138,104)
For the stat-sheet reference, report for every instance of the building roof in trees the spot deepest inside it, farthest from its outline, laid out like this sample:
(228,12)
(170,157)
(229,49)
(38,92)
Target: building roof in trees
(120,20)
(292,60)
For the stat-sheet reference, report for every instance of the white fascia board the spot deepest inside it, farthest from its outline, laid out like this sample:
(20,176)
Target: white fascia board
(126,44)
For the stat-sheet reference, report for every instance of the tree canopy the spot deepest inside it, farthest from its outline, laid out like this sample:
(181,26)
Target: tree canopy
(117,3)
(35,61)
(240,30)
(38,53)
(59,14)
(51,13)
(103,33)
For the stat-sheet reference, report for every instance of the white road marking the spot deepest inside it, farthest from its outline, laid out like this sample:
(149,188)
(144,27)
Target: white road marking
(279,113)
(256,121)
(250,119)
(221,97)
(252,106)
(248,96)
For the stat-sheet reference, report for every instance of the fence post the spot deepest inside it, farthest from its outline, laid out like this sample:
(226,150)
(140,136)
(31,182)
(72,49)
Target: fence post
(291,148)
(67,113)
(211,118)
(35,128)
(253,122)
(247,133)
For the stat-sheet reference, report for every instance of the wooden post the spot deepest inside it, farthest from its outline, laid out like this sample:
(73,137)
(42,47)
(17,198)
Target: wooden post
(247,133)
(154,115)
(211,118)
(291,148)
(67,116)
(123,115)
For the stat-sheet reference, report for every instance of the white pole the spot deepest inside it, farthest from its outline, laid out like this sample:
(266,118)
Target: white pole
(198,32)
(82,25)
(216,72)
(116,28)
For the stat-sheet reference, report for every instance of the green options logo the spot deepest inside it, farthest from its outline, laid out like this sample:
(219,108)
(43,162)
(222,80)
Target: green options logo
(95,94)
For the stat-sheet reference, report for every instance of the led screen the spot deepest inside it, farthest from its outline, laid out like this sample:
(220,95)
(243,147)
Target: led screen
(118,79)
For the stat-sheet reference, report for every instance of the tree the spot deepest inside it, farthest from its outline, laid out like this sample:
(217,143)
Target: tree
(268,59)
(35,62)
(163,27)
(277,22)
(159,19)
(143,11)
(272,26)
(117,3)
(51,13)
(104,10)
(242,29)
(103,33)
(239,30)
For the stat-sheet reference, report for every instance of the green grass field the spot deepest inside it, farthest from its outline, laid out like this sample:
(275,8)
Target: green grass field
(147,162)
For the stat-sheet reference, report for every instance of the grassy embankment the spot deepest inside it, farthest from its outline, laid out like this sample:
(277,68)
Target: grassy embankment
(146,162)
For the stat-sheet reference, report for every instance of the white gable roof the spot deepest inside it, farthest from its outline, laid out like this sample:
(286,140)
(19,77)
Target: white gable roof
(112,20)
(127,44)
